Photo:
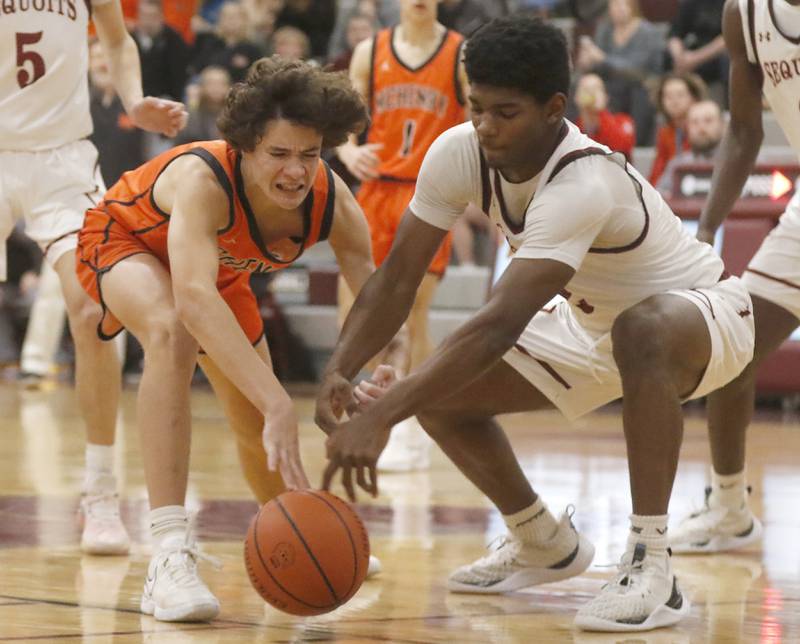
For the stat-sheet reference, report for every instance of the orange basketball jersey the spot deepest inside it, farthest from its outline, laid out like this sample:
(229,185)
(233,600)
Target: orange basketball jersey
(128,222)
(411,107)
(130,205)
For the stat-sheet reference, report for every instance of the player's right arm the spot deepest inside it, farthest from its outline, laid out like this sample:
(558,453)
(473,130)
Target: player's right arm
(360,160)
(199,210)
(743,136)
(149,113)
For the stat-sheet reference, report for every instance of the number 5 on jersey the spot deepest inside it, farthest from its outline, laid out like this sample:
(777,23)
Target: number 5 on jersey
(37,62)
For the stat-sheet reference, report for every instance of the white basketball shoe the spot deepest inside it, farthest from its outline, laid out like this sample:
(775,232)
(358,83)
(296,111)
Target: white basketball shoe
(715,528)
(103,530)
(514,565)
(173,591)
(644,595)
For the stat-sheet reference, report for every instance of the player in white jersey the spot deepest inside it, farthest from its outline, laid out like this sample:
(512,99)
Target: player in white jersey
(762,41)
(650,313)
(49,177)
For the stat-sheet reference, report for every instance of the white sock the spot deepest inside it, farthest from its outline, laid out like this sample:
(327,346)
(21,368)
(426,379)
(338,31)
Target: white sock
(168,526)
(99,474)
(651,530)
(533,524)
(728,490)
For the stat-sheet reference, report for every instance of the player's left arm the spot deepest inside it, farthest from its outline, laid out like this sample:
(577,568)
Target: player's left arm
(526,286)
(149,113)
(349,238)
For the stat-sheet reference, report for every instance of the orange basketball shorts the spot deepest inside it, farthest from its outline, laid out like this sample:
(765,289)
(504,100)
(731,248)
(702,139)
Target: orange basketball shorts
(103,243)
(384,203)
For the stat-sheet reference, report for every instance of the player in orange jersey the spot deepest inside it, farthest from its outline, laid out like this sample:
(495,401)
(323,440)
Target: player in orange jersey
(415,87)
(168,254)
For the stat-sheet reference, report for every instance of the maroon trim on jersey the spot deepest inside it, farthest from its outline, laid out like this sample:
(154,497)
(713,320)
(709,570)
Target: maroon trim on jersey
(514,227)
(795,40)
(546,366)
(587,152)
(703,299)
(751,29)
(486,184)
(371,80)
(772,277)
(88,7)
(414,70)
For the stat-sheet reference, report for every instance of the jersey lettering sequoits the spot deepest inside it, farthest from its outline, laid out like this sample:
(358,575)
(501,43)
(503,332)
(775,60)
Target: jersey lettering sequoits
(409,106)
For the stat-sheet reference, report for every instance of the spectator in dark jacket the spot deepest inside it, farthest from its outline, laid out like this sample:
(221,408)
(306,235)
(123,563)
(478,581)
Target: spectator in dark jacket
(212,87)
(228,46)
(315,18)
(164,54)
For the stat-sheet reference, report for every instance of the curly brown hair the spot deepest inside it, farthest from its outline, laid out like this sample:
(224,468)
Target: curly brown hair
(276,88)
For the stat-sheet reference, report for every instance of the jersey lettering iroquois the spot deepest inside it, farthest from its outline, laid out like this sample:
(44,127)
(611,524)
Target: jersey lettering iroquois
(44,60)
(772,37)
(410,107)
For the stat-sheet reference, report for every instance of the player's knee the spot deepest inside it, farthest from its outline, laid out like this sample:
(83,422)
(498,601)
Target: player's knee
(166,335)
(84,319)
(638,337)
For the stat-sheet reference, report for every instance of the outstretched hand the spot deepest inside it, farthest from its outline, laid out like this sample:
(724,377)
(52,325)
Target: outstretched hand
(279,437)
(159,115)
(335,398)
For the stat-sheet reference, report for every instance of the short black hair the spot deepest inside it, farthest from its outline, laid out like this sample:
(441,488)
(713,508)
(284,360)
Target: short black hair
(521,53)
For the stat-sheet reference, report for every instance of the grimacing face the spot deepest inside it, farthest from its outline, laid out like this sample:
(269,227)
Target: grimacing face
(509,124)
(285,162)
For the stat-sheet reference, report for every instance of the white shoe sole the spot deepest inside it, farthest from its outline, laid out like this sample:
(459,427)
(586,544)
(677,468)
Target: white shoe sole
(661,617)
(201,612)
(721,543)
(532,576)
(374,568)
(105,549)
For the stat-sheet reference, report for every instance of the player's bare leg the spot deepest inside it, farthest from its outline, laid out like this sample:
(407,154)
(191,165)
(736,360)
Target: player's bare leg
(98,382)
(247,423)
(725,521)
(138,291)
(662,347)
(409,448)
(539,548)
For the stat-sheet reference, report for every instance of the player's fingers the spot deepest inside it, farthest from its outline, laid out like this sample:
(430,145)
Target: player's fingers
(327,475)
(361,478)
(371,390)
(272,456)
(347,480)
(384,375)
(324,417)
(373,479)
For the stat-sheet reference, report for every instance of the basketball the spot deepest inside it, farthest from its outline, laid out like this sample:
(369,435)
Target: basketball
(306,552)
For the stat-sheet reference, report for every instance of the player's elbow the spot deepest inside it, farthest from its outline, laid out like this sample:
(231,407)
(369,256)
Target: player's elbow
(190,302)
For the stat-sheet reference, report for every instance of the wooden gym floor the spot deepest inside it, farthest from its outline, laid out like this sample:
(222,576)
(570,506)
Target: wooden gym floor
(422,526)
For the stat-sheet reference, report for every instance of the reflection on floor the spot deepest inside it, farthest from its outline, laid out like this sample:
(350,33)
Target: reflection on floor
(422,525)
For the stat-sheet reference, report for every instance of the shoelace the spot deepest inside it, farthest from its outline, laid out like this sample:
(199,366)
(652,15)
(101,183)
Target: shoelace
(188,555)
(102,506)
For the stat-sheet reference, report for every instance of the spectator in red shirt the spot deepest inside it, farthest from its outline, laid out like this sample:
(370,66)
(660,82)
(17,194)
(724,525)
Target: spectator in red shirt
(617,131)
(676,94)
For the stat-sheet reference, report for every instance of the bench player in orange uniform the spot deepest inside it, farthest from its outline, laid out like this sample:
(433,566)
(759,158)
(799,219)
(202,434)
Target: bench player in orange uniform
(415,87)
(168,255)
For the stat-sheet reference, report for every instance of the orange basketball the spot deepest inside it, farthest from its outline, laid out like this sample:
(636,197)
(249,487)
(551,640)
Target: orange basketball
(306,552)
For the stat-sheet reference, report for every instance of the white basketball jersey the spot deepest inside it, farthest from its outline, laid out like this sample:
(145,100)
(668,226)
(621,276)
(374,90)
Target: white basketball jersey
(772,37)
(44,60)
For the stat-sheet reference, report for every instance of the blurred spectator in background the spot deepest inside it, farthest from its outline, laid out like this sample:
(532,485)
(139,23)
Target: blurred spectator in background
(676,94)
(316,18)
(117,139)
(359,27)
(617,131)
(17,292)
(465,16)
(383,13)
(163,53)
(228,46)
(261,16)
(704,128)
(627,52)
(696,45)
(211,89)
(291,43)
